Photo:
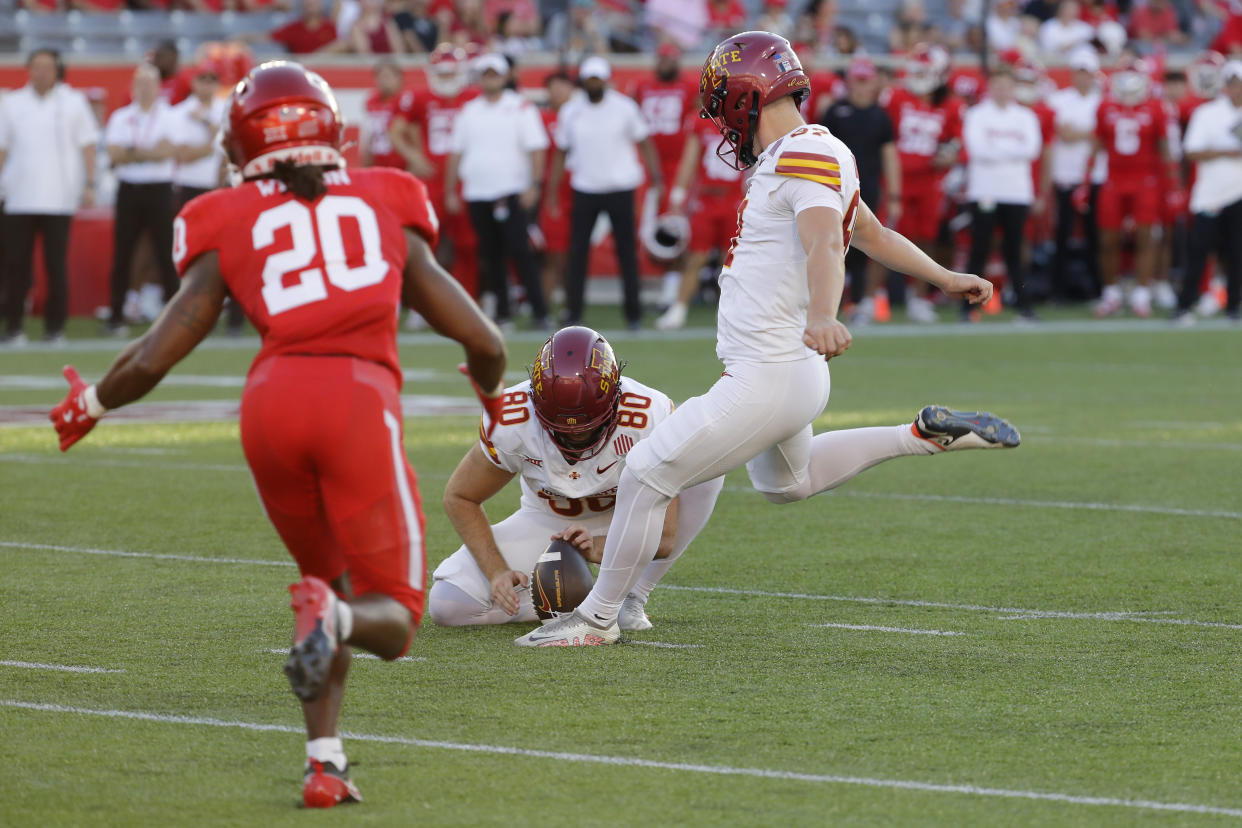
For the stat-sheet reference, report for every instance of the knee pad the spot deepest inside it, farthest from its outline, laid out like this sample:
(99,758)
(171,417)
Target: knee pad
(791,495)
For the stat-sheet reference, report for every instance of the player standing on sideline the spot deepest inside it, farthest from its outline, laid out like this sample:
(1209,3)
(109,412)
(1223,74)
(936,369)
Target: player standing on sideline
(555,224)
(569,472)
(1131,127)
(430,127)
(927,120)
(780,291)
(382,144)
(327,259)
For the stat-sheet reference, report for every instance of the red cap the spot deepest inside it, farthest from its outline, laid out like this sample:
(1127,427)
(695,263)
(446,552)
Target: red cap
(669,50)
(861,68)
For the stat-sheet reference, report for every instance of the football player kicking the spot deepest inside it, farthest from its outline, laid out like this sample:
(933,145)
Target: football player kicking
(777,326)
(321,260)
(566,431)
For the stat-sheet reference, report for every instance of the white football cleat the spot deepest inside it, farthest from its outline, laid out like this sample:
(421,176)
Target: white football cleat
(956,430)
(1109,303)
(864,312)
(570,630)
(921,310)
(672,319)
(1140,302)
(1163,295)
(633,615)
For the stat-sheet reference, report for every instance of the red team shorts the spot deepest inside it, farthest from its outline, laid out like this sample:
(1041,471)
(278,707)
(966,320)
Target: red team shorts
(922,210)
(323,437)
(460,233)
(555,228)
(713,221)
(1141,199)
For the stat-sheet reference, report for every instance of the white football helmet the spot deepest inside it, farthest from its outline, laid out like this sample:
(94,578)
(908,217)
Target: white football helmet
(1131,83)
(926,68)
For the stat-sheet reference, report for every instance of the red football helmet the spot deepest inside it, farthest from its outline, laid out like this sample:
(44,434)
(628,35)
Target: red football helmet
(743,75)
(927,66)
(1206,75)
(282,111)
(575,382)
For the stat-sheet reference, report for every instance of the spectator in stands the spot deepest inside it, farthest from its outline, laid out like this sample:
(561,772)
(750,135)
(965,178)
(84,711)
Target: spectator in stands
(1001,138)
(679,21)
(471,26)
(47,169)
(514,38)
(1066,32)
(140,142)
(844,42)
(815,25)
(725,18)
(1003,26)
(498,147)
(1213,142)
(42,6)
(867,130)
(374,32)
(955,24)
(1229,40)
(1074,109)
(1095,12)
(309,33)
(911,26)
(418,28)
(775,18)
(598,136)
(1155,22)
(1040,10)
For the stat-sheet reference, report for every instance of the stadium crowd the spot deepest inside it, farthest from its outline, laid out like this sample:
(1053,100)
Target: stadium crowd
(1109,137)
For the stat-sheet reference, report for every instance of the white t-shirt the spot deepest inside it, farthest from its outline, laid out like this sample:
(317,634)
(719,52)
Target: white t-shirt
(131,126)
(1218,183)
(1003,32)
(495,140)
(190,130)
(551,484)
(600,141)
(1000,144)
(763,289)
(1057,38)
(1069,158)
(44,136)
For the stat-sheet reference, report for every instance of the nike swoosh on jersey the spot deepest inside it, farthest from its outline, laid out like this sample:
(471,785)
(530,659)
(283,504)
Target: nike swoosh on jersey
(598,470)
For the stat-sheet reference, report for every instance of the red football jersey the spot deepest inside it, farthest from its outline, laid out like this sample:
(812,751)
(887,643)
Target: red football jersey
(1131,136)
(549,123)
(920,128)
(436,115)
(713,172)
(664,105)
(1047,131)
(320,277)
(380,112)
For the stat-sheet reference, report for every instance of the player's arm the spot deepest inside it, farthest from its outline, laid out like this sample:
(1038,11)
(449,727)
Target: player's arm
(475,480)
(655,178)
(555,174)
(428,289)
(407,139)
(184,323)
(685,172)
(896,252)
(890,163)
(822,237)
(452,200)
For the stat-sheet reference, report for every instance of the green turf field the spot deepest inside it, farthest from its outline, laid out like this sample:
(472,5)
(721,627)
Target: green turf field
(1048,636)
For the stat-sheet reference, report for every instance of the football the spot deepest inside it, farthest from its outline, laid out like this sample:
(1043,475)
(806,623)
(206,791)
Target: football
(561,580)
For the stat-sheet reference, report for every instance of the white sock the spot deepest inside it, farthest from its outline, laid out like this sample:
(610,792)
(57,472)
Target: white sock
(637,521)
(1111,293)
(694,508)
(327,749)
(344,621)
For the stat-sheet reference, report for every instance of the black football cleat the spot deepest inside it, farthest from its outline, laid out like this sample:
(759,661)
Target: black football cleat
(315,638)
(952,430)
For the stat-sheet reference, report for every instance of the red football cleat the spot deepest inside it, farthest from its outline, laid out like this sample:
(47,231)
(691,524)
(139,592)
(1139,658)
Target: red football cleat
(325,786)
(316,637)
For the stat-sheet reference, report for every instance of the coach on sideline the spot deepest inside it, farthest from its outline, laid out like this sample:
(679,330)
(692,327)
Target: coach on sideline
(140,140)
(497,148)
(47,168)
(597,138)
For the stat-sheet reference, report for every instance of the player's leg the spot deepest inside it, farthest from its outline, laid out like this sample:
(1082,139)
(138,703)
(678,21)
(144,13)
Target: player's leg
(675,317)
(1110,217)
(1231,244)
(620,208)
(161,207)
(982,231)
(55,232)
(1013,229)
(583,211)
(18,252)
(1146,256)
(125,232)
(694,508)
(491,257)
(517,246)
(460,594)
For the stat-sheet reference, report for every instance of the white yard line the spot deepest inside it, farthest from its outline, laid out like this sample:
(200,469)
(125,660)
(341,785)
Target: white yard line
(661,644)
(869,628)
(60,668)
(356,654)
(1139,616)
(638,762)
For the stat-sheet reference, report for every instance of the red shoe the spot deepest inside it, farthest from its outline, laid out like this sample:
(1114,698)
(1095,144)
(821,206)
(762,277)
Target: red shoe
(325,786)
(315,637)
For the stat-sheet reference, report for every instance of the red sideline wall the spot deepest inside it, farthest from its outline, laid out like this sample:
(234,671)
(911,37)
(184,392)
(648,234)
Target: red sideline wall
(90,253)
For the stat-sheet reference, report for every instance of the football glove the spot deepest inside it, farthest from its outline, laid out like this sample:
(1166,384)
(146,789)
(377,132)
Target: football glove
(491,402)
(1081,198)
(78,412)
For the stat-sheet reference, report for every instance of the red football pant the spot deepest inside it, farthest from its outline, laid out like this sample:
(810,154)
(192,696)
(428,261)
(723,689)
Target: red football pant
(713,222)
(922,209)
(323,437)
(1141,200)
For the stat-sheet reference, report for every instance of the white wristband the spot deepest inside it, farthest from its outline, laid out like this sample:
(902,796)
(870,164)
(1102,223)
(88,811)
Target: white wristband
(676,197)
(93,406)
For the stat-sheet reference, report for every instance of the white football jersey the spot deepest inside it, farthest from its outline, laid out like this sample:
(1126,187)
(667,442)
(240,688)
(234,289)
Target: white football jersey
(763,289)
(550,483)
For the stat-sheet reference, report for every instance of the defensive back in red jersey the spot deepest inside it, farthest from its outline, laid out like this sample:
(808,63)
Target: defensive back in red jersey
(317,278)
(380,113)
(920,128)
(665,104)
(1131,136)
(436,115)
